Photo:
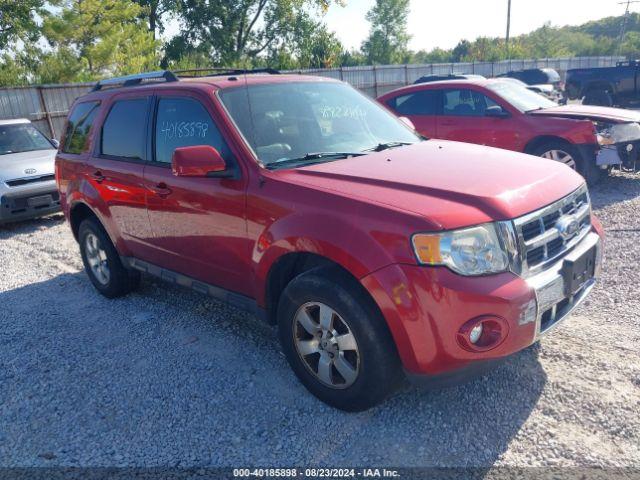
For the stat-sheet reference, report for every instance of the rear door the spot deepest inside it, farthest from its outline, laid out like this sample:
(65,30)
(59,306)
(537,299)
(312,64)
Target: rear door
(463,119)
(420,107)
(116,167)
(199,225)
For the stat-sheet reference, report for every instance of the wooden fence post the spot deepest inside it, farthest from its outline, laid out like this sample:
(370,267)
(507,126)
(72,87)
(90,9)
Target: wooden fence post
(45,111)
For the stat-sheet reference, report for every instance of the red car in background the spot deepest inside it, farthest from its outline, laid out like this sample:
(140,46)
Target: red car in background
(501,114)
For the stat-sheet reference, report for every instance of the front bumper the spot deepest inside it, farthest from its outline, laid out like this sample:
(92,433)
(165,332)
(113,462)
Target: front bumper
(24,203)
(425,307)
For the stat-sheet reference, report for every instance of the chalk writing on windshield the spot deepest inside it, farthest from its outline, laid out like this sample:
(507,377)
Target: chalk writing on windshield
(342,112)
(171,130)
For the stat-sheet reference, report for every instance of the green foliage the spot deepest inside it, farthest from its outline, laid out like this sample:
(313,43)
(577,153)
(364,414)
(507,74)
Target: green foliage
(18,20)
(598,38)
(82,40)
(156,11)
(233,32)
(388,38)
(104,35)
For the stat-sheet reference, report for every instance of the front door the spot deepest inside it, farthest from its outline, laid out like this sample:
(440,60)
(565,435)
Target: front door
(199,226)
(463,119)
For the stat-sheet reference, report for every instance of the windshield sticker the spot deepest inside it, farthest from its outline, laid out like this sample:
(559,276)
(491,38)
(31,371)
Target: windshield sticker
(171,130)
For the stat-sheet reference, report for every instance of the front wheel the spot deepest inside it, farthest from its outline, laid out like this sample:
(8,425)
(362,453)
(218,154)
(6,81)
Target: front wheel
(568,154)
(336,341)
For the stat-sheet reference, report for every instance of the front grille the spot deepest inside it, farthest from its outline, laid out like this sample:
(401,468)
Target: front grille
(548,233)
(25,181)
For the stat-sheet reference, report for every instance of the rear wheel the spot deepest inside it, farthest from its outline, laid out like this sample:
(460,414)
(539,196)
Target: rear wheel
(598,97)
(569,155)
(336,341)
(102,262)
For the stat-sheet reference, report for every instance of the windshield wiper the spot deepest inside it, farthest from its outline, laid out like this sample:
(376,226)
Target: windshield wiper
(316,157)
(386,146)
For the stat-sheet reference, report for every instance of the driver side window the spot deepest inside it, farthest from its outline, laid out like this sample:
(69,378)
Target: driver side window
(466,103)
(184,122)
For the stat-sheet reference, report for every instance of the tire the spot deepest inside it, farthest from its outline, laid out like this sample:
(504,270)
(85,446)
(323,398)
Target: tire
(600,98)
(109,276)
(557,149)
(370,353)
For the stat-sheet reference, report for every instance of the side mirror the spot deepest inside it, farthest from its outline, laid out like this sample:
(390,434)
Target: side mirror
(407,122)
(198,161)
(496,111)
(55,143)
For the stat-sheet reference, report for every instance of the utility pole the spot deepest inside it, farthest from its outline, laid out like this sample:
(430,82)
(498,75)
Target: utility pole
(623,27)
(508,28)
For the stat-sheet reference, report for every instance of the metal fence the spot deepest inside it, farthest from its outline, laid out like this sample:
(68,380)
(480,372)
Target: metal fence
(47,105)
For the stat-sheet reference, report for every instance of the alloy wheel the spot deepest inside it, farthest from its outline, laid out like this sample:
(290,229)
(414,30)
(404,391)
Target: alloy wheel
(560,156)
(97,259)
(325,343)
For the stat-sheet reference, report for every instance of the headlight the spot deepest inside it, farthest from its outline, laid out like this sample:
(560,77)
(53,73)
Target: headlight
(471,251)
(612,134)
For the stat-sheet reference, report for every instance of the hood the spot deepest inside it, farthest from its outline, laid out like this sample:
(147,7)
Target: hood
(590,112)
(13,165)
(450,184)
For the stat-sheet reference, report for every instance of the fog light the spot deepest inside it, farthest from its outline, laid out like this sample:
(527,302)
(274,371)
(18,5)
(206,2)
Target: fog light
(475,333)
(482,334)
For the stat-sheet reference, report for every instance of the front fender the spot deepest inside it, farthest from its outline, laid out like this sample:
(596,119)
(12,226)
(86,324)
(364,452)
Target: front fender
(348,244)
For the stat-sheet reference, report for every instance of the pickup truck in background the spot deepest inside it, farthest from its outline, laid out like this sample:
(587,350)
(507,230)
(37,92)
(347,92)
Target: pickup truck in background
(605,86)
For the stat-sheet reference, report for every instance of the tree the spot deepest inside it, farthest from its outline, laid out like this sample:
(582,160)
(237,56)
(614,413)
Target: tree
(155,11)
(18,20)
(388,38)
(232,32)
(315,46)
(461,51)
(105,37)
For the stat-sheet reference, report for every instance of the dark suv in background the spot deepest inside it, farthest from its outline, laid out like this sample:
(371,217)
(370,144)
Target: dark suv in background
(545,81)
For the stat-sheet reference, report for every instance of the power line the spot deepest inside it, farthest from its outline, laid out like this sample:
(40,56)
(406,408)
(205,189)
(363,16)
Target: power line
(509,28)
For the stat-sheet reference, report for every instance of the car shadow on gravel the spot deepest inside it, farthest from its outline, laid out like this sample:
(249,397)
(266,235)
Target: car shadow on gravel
(167,377)
(8,230)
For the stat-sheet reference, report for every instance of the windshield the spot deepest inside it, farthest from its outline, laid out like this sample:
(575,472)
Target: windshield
(520,97)
(290,121)
(22,137)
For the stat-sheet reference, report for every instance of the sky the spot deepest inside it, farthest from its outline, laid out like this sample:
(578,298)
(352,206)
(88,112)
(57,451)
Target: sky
(443,23)
(438,23)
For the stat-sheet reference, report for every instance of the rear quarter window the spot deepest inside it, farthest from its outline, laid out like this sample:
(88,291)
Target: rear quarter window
(76,136)
(124,130)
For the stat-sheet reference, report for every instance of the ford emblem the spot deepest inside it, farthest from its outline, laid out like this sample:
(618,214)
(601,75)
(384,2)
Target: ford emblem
(30,171)
(568,227)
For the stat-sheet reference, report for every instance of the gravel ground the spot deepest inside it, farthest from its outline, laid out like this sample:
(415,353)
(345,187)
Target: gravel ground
(166,377)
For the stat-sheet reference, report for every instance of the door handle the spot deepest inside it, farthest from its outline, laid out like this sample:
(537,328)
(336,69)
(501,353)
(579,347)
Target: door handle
(97,176)
(161,189)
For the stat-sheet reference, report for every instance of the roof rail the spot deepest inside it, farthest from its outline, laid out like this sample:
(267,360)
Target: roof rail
(221,71)
(135,79)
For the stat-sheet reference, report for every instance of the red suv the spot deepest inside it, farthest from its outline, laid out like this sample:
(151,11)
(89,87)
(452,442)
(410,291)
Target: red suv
(500,113)
(377,254)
